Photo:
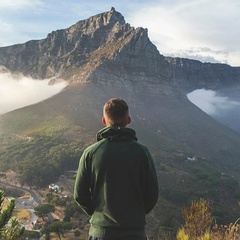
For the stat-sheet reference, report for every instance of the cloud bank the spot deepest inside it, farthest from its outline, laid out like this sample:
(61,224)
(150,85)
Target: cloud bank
(211,102)
(17,91)
(198,29)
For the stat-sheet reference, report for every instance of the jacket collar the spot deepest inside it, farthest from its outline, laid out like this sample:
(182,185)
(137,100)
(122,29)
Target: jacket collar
(116,133)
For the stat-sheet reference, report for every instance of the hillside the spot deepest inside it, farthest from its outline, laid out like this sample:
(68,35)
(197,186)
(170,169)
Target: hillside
(103,57)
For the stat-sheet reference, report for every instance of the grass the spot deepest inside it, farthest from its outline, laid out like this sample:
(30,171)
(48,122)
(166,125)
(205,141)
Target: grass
(22,215)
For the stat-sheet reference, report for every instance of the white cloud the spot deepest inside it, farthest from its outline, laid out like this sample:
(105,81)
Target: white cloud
(17,91)
(18,4)
(178,27)
(211,102)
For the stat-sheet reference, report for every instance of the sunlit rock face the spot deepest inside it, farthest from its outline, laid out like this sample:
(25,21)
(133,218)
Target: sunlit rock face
(89,42)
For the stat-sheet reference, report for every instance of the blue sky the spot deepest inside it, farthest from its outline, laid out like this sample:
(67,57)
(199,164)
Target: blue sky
(198,29)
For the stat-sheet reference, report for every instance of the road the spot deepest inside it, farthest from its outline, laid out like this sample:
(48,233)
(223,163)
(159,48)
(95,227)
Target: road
(27,203)
(35,198)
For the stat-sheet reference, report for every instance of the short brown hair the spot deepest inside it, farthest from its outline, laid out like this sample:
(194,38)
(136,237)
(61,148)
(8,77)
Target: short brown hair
(117,111)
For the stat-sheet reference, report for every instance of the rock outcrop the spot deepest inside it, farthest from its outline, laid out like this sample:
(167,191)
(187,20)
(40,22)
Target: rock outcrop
(188,75)
(85,46)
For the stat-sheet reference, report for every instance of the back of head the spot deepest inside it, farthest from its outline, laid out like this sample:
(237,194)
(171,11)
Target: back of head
(116,112)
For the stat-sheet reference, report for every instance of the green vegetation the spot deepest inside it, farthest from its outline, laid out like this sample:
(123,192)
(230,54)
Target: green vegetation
(55,199)
(41,159)
(10,228)
(43,210)
(42,141)
(31,234)
(59,227)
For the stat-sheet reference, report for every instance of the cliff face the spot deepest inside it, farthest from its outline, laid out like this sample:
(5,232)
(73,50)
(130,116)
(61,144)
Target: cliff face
(189,75)
(62,49)
(85,46)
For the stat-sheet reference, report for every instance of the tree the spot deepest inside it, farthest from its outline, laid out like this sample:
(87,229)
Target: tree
(70,210)
(59,227)
(10,228)
(43,210)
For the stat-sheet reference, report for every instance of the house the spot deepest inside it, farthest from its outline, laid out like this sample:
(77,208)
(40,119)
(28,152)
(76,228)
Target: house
(54,187)
(191,158)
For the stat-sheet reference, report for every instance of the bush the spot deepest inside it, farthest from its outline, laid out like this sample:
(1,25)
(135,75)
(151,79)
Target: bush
(198,224)
(31,234)
(77,233)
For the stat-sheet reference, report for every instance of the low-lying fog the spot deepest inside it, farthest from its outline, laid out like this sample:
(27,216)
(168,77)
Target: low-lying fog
(17,91)
(211,102)
(220,106)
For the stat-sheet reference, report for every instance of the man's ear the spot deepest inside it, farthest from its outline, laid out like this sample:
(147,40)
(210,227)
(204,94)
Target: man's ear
(129,119)
(104,121)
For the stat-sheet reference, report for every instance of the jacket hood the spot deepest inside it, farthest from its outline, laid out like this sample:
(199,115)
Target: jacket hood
(116,133)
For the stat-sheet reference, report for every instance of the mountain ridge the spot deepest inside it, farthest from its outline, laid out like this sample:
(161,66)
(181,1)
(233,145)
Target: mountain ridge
(67,49)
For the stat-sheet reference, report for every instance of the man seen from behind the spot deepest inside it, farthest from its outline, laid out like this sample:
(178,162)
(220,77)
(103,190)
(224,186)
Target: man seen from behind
(116,183)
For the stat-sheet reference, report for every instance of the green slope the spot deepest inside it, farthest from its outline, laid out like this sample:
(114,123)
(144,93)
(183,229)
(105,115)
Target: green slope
(172,127)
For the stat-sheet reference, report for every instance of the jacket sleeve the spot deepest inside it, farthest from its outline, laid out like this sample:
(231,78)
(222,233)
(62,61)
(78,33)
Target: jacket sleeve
(151,184)
(82,193)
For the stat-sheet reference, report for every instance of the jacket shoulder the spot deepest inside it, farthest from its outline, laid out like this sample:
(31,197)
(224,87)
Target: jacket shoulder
(142,146)
(92,148)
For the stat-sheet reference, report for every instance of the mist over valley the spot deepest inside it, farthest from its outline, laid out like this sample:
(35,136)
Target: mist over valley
(222,106)
(17,90)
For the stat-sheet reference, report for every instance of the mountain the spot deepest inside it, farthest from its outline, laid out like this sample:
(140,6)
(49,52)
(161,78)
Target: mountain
(189,75)
(103,57)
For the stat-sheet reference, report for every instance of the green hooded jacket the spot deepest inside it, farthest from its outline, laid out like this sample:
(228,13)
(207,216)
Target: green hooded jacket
(116,184)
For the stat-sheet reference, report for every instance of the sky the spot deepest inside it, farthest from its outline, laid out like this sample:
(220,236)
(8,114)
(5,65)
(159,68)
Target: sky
(204,30)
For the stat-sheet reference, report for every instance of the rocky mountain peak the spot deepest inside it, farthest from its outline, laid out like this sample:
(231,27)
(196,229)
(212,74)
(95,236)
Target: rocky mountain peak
(106,19)
(66,48)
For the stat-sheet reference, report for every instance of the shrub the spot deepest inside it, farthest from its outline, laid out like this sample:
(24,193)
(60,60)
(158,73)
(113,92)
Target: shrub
(198,218)
(77,233)
(198,224)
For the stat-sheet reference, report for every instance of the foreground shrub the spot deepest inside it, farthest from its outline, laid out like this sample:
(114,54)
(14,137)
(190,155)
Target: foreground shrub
(198,224)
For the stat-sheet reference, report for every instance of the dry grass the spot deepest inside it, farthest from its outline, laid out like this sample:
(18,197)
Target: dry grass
(198,225)
(26,196)
(58,213)
(5,203)
(22,215)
